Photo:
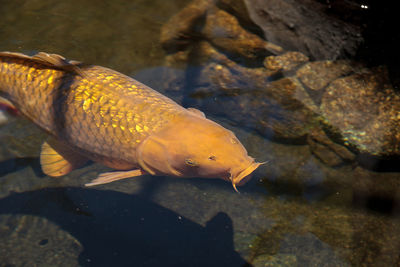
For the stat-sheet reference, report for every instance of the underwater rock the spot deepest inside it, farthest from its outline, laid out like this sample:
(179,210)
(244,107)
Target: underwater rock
(316,75)
(306,26)
(329,152)
(338,107)
(364,111)
(201,19)
(285,62)
(290,113)
(238,9)
(224,32)
(279,109)
(181,28)
(280,259)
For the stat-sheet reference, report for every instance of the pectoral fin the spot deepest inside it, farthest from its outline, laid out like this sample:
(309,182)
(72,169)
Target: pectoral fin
(109,177)
(153,157)
(58,159)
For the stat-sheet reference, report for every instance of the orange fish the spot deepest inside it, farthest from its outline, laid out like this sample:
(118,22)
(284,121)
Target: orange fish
(95,113)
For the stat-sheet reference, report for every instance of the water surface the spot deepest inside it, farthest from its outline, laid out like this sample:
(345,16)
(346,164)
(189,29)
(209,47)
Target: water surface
(296,211)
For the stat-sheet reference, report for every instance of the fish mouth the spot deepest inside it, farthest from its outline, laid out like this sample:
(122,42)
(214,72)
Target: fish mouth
(242,177)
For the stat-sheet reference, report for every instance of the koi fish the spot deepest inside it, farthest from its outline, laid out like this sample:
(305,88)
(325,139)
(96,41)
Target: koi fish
(95,113)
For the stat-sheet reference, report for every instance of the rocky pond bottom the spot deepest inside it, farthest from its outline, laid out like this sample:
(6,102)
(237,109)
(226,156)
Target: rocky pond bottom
(295,211)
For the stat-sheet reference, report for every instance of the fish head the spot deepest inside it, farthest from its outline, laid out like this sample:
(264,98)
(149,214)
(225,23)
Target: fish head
(197,147)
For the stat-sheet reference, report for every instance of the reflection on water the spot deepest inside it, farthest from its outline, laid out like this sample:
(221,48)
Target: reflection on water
(325,198)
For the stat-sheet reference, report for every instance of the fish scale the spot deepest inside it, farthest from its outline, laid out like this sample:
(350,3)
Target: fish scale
(101,112)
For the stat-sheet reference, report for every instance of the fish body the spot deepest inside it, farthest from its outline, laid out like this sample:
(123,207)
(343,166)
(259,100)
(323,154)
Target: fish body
(92,112)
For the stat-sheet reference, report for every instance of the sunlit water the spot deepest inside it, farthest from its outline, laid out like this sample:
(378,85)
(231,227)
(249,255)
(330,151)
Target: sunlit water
(295,210)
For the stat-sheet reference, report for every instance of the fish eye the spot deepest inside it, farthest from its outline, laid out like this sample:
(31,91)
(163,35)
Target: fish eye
(191,162)
(212,157)
(234,140)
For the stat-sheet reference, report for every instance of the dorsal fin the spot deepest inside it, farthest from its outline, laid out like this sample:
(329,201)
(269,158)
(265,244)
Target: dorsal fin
(197,112)
(51,60)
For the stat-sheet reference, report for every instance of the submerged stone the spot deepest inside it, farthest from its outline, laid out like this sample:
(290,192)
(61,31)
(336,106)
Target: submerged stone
(279,109)
(337,107)
(224,31)
(306,26)
(280,259)
(329,152)
(364,111)
(316,75)
(285,62)
(182,28)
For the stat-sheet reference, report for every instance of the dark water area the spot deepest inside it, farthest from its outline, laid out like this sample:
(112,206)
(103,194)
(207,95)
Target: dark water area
(121,229)
(301,84)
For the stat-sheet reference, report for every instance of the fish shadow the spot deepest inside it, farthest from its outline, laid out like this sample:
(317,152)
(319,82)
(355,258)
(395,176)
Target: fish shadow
(118,229)
(15,164)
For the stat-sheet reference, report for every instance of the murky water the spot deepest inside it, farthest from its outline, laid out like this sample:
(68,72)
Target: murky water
(296,211)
